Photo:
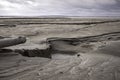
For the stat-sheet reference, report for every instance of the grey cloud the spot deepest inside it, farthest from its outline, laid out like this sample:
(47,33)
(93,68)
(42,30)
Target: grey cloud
(60,7)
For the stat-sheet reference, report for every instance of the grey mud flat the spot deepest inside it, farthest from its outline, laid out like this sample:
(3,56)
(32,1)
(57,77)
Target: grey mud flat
(80,49)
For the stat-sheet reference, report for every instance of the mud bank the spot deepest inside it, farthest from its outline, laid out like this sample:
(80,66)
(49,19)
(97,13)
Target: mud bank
(70,46)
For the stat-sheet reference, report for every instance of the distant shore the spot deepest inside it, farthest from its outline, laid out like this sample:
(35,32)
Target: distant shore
(54,17)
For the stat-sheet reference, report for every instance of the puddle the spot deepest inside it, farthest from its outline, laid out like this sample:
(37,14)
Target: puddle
(62,56)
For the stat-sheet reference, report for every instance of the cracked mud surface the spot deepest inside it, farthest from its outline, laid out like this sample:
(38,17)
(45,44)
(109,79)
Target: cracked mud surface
(80,49)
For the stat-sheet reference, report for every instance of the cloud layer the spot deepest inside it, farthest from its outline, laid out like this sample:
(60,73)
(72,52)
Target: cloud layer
(60,7)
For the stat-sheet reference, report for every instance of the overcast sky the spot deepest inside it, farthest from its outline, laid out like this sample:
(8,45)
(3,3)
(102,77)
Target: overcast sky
(60,7)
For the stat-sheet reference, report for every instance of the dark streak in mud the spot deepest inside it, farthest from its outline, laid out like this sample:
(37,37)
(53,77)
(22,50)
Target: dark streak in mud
(6,25)
(69,23)
(14,23)
(103,37)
